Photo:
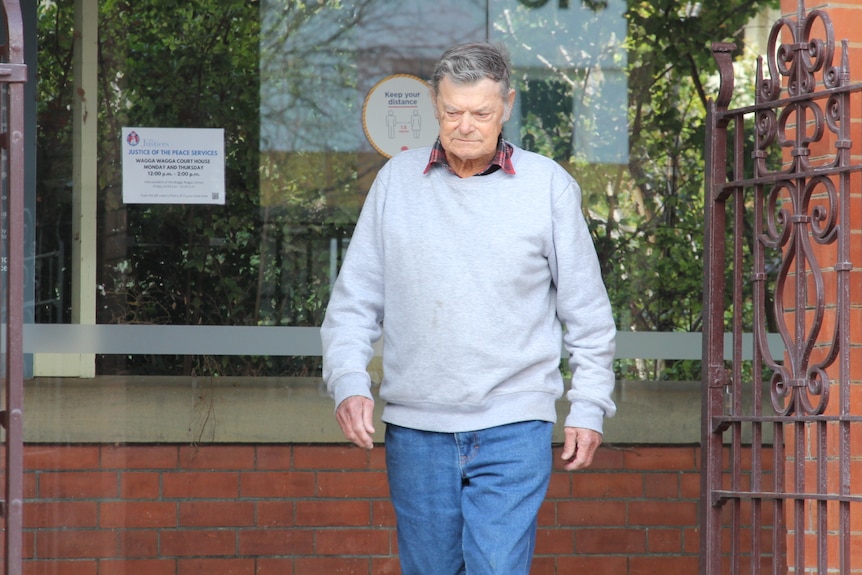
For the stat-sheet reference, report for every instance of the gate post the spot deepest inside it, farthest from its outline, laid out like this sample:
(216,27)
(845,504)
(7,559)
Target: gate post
(13,75)
(714,377)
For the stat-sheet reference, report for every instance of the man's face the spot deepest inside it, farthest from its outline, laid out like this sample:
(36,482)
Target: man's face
(471,118)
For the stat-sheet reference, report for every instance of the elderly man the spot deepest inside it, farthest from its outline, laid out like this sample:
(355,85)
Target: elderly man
(476,256)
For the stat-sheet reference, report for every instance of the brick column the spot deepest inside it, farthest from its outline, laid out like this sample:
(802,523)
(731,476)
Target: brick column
(818,445)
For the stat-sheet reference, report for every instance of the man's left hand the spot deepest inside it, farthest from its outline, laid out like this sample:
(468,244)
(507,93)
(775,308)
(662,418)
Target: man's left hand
(580,447)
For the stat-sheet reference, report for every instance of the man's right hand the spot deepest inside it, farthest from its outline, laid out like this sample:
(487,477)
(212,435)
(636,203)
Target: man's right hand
(355,415)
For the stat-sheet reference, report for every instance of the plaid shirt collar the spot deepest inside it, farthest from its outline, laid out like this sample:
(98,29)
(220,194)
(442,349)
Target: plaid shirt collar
(502,159)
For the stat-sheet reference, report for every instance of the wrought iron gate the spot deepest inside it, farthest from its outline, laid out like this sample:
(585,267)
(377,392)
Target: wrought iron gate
(13,75)
(783,201)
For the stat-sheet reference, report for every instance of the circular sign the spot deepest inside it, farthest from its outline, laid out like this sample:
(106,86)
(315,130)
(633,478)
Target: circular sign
(398,115)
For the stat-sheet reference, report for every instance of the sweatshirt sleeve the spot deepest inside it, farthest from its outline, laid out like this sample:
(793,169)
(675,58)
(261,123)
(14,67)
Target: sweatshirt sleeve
(354,315)
(584,309)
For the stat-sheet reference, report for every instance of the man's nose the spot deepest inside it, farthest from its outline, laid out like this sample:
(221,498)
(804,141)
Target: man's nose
(466,125)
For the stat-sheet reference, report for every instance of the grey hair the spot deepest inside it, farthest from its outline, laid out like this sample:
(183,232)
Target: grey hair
(472,62)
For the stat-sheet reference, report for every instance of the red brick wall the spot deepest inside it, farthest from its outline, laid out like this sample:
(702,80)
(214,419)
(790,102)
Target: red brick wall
(324,509)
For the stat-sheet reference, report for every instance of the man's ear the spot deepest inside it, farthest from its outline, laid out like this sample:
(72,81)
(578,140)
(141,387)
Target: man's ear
(509,105)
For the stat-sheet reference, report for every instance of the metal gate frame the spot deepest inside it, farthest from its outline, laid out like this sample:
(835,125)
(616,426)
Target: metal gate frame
(778,258)
(13,75)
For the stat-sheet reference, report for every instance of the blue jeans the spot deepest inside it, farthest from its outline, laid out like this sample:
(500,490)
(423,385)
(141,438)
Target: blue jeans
(466,503)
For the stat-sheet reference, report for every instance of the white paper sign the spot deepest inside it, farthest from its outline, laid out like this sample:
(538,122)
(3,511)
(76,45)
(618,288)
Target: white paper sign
(398,115)
(173,166)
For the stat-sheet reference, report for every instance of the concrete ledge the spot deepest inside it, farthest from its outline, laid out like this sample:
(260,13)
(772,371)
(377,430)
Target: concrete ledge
(119,409)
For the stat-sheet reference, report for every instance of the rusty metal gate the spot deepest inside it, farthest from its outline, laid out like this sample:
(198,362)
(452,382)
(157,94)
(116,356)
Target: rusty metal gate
(781,413)
(13,75)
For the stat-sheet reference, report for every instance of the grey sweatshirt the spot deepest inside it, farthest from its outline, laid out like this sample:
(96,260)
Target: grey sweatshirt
(474,280)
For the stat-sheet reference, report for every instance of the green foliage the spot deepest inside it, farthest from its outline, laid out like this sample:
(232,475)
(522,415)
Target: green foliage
(181,64)
(670,67)
(54,133)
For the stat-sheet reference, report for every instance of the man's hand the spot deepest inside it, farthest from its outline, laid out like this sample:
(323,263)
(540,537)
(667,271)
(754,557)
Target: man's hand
(579,447)
(355,416)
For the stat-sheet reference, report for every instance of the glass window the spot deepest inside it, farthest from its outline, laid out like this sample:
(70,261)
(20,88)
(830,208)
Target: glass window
(286,81)
(601,89)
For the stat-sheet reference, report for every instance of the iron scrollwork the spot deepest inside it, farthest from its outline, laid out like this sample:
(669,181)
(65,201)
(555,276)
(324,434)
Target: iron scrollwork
(801,206)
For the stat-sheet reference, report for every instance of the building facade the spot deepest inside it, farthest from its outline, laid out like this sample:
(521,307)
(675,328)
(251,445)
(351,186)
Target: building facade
(175,419)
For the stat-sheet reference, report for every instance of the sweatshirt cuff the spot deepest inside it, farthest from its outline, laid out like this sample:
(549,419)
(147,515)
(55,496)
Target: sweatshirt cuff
(349,385)
(585,414)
